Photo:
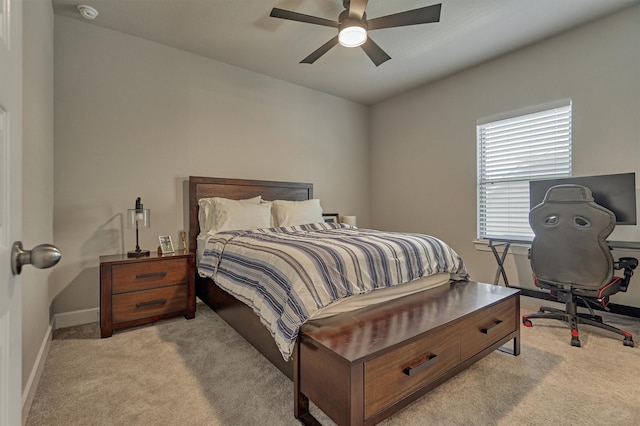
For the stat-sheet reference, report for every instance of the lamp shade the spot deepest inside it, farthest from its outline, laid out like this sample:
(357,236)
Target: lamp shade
(138,217)
(349,220)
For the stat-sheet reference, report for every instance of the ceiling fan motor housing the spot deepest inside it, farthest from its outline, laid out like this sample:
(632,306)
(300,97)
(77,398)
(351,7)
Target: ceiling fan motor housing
(344,19)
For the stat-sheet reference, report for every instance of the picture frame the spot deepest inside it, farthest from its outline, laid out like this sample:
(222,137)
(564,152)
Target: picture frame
(166,245)
(330,217)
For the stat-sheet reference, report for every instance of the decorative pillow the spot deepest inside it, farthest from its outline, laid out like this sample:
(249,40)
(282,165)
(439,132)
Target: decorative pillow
(206,206)
(291,213)
(231,215)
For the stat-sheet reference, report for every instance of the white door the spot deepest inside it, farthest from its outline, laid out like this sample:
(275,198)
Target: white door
(10,210)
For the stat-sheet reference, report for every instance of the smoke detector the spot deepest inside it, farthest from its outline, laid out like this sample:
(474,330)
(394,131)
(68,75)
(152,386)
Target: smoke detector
(87,12)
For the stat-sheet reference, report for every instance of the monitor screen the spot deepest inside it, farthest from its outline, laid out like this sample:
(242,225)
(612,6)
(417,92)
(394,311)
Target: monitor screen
(614,192)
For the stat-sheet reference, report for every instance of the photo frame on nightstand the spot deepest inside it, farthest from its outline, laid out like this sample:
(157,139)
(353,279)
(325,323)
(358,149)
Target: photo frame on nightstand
(166,245)
(330,217)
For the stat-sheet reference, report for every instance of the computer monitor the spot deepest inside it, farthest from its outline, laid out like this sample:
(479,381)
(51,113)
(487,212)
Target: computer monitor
(614,192)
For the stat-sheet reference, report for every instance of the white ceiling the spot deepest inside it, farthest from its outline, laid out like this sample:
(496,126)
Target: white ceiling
(241,33)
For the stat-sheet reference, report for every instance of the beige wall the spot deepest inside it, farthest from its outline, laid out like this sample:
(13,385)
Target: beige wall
(37,168)
(424,143)
(135,118)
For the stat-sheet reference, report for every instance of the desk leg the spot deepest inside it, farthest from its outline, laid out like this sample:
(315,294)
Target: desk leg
(500,261)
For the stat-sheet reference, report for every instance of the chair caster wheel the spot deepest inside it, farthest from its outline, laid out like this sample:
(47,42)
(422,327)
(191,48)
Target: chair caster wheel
(628,342)
(575,342)
(527,323)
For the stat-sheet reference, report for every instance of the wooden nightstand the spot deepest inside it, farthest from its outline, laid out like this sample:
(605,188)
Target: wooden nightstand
(141,290)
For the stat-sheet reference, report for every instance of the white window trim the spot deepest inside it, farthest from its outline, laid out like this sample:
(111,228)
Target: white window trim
(524,111)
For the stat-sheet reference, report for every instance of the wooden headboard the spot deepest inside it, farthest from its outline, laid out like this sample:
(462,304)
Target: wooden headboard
(237,189)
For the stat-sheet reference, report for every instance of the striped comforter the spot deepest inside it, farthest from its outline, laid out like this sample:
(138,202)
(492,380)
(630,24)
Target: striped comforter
(287,274)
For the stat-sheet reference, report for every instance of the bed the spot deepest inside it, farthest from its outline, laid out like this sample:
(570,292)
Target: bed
(341,362)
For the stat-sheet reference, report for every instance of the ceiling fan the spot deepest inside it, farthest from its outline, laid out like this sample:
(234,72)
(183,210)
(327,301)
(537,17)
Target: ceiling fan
(353,25)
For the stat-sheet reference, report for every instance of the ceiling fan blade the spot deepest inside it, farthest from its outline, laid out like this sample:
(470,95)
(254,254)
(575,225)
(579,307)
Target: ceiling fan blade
(320,51)
(356,8)
(375,52)
(423,15)
(300,17)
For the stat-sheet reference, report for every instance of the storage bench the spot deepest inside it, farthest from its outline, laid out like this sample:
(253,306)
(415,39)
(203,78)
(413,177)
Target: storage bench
(361,367)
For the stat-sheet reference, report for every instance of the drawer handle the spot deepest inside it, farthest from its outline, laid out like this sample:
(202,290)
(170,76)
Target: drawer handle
(487,330)
(421,364)
(151,275)
(151,303)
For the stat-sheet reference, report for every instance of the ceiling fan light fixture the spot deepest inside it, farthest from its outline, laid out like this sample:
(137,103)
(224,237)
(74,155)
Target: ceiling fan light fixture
(352,35)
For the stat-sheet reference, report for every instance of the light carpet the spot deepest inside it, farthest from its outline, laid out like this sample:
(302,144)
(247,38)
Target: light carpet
(200,372)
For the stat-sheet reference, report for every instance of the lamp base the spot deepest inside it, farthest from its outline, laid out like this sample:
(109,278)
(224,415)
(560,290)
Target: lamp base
(141,253)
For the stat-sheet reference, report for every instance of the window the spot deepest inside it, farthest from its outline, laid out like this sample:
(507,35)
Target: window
(512,150)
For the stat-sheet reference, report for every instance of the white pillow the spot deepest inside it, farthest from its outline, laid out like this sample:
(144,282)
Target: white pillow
(291,213)
(231,215)
(269,203)
(205,211)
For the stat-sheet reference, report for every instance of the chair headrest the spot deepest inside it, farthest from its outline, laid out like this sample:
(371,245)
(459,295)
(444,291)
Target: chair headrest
(568,193)
(570,244)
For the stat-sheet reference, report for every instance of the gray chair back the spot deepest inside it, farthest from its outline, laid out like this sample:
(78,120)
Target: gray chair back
(570,248)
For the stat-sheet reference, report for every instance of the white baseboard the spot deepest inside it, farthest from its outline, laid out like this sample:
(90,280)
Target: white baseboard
(34,377)
(69,319)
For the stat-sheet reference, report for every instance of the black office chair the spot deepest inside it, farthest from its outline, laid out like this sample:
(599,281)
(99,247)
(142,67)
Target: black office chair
(570,257)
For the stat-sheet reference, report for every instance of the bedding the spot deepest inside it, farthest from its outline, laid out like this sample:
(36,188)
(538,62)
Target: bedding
(288,274)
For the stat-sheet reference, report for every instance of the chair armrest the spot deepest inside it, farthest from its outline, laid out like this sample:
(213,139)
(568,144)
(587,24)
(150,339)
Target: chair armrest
(628,264)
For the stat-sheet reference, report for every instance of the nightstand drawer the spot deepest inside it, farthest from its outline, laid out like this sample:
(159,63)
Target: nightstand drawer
(482,329)
(393,376)
(148,303)
(140,290)
(146,275)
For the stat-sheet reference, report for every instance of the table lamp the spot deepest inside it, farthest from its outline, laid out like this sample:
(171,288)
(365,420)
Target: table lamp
(136,218)
(349,220)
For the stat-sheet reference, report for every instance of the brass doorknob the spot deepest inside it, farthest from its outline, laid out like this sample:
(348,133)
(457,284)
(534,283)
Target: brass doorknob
(42,256)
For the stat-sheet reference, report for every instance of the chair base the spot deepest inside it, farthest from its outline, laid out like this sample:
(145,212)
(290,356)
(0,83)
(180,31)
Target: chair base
(573,318)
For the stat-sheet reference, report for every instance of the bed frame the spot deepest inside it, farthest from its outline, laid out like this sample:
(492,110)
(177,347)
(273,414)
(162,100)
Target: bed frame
(358,382)
(232,311)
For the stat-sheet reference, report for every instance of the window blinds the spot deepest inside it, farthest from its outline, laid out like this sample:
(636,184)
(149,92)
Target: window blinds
(511,152)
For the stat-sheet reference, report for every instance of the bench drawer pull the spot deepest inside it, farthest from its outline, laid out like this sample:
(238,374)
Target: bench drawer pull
(487,330)
(151,303)
(151,275)
(421,364)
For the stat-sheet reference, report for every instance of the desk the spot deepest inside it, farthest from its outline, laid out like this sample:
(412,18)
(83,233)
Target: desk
(506,243)
(624,245)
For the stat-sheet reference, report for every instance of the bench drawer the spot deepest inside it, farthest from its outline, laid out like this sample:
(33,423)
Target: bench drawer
(399,373)
(483,328)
